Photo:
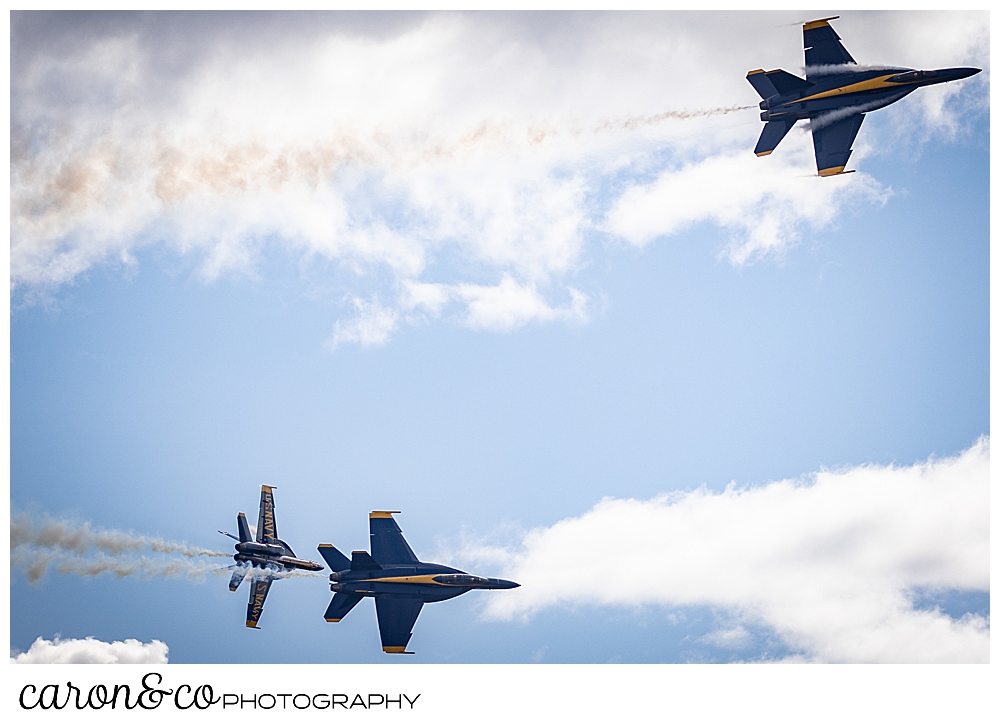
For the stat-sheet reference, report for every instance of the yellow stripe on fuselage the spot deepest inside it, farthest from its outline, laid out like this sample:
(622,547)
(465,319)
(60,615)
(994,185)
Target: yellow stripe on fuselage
(879,83)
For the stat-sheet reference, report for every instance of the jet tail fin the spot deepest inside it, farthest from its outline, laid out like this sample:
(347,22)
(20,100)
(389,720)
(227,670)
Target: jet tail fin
(334,558)
(785,82)
(775,82)
(771,136)
(244,528)
(361,561)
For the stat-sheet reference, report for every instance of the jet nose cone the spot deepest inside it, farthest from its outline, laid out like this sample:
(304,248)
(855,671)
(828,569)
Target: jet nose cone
(959,73)
(501,583)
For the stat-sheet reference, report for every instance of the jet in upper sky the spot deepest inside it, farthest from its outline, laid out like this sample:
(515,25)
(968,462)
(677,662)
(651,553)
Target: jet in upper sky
(834,96)
(262,557)
(399,583)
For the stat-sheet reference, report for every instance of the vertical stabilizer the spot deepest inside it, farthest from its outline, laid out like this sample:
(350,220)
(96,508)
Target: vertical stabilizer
(244,528)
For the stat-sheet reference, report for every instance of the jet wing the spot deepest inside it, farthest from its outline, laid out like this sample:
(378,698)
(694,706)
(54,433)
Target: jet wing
(340,606)
(388,546)
(822,44)
(396,616)
(267,527)
(258,592)
(832,144)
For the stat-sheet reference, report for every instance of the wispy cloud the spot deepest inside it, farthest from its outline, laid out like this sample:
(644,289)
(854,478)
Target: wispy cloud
(831,564)
(370,328)
(92,651)
(468,153)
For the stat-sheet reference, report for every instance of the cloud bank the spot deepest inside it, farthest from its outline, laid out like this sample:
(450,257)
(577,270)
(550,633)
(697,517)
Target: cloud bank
(92,651)
(831,564)
(456,166)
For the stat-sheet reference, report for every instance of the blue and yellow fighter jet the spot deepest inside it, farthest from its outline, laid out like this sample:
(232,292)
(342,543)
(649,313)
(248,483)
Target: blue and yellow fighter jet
(399,583)
(834,96)
(262,557)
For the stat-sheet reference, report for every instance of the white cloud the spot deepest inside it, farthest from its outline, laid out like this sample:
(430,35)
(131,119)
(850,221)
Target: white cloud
(761,201)
(509,306)
(831,564)
(468,153)
(370,328)
(92,651)
(736,637)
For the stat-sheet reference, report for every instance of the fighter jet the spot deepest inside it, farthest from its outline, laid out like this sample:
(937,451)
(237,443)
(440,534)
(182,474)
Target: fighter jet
(263,557)
(399,583)
(834,96)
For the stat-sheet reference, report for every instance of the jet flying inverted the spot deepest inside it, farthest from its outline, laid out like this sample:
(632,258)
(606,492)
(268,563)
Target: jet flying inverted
(834,96)
(399,583)
(262,557)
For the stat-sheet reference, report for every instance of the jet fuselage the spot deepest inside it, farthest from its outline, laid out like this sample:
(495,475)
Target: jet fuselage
(272,555)
(861,91)
(428,581)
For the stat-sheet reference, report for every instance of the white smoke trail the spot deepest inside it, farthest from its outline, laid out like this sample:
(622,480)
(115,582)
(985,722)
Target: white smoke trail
(80,538)
(173,169)
(633,122)
(36,562)
(71,548)
(813,70)
(841,113)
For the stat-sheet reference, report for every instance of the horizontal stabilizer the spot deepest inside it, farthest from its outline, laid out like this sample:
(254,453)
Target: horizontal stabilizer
(771,136)
(238,577)
(340,606)
(785,82)
(334,558)
(361,561)
(759,80)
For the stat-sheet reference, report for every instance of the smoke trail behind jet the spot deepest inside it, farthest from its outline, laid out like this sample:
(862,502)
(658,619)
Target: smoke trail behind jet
(81,538)
(38,545)
(177,168)
(633,122)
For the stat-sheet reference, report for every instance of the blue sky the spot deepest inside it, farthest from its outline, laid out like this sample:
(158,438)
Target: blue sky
(494,337)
